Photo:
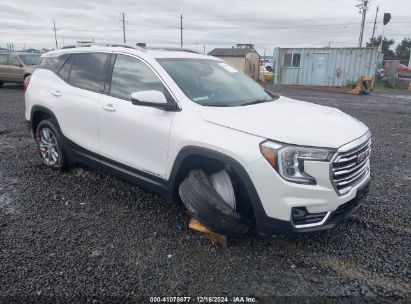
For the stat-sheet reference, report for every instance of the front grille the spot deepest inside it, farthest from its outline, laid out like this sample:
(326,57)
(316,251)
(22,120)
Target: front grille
(350,167)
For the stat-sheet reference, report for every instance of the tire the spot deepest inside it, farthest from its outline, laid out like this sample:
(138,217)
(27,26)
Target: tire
(51,150)
(205,204)
(1,84)
(365,88)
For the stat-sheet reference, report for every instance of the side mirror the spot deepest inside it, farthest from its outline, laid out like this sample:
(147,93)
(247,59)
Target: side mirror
(151,98)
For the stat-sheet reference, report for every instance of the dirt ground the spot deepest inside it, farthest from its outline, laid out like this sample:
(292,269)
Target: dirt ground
(84,236)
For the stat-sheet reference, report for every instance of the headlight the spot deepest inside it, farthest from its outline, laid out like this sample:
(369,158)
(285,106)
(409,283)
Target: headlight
(289,160)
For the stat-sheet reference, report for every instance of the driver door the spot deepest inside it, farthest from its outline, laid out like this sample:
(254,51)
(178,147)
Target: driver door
(132,135)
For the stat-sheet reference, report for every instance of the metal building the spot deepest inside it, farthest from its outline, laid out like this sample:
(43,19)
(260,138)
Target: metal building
(244,57)
(323,66)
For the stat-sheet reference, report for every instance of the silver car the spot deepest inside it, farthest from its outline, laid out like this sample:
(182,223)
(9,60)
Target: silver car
(16,66)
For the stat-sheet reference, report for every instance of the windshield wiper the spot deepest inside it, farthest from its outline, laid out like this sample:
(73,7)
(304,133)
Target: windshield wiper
(216,105)
(256,101)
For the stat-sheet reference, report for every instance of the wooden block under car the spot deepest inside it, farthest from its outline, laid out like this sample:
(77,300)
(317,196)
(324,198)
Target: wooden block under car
(211,235)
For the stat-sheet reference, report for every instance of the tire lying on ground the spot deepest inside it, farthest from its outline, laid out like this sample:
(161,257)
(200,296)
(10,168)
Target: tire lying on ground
(204,203)
(365,88)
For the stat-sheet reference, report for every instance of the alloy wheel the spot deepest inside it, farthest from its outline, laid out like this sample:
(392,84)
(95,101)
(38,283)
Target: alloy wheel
(48,146)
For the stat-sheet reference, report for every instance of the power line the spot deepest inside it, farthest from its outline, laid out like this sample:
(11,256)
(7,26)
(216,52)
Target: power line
(319,26)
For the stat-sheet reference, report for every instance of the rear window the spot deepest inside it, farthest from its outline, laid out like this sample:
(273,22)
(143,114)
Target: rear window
(13,61)
(53,64)
(88,71)
(65,70)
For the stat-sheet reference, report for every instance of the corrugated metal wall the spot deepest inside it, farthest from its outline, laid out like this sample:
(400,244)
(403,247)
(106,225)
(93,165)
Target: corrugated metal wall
(325,66)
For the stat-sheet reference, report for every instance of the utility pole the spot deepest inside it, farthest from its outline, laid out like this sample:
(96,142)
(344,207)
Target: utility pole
(124,28)
(181,31)
(375,23)
(363,6)
(55,33)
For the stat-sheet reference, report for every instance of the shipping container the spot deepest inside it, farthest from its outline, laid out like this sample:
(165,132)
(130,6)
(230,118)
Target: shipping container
(324,66)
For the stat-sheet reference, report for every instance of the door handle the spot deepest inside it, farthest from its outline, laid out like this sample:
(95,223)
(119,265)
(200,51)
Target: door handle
(109,107)
(56,93)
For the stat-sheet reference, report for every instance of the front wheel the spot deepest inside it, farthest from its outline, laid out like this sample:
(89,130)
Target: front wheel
(210,200)
(50,145)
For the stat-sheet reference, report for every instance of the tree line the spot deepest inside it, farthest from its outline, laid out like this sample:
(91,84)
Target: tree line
(401,52)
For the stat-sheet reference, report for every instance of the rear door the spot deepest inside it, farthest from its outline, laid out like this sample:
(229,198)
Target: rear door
(15,69)
(135,136)
(76,97)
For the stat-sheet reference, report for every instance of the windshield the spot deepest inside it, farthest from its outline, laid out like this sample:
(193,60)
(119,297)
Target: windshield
(31,59)
(213,83)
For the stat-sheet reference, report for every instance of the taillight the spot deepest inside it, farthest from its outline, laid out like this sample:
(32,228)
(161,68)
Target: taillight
(26,82)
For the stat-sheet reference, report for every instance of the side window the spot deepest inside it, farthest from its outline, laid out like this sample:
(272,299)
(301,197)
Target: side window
(87,71)
(3,59)
(132,75)
(53,64)
(287,60)
(296,60)
(65,70)
(292,60)
(13,60)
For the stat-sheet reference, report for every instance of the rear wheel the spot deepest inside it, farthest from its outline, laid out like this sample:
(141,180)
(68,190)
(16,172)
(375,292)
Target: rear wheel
(50,145)
(211,199)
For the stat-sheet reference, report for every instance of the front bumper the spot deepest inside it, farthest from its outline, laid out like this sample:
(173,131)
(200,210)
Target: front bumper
(268,226)
(282,206)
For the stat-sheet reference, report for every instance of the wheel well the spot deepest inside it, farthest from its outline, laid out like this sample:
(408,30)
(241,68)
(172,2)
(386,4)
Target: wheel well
(37,117)
(192,162)
(25,75)
(212,165)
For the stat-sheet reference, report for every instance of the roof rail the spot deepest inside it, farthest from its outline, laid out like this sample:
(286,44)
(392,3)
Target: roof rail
(107,44)
(174,49)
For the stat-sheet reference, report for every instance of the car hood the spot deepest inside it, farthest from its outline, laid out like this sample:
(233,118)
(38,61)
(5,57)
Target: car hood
(289,121)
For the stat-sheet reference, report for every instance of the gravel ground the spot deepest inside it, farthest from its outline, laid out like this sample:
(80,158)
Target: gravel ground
(81,235)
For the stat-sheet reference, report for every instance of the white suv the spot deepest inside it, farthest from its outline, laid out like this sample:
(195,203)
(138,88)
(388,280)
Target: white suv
(194,128)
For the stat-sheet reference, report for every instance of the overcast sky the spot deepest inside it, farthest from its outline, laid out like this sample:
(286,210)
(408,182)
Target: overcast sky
(213,23)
